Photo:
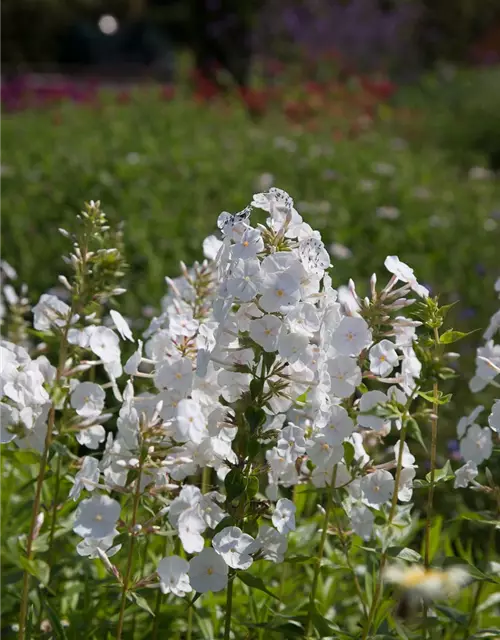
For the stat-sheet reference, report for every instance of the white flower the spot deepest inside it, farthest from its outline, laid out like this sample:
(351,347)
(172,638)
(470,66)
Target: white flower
(265,332)
(362,520)
(245,278)
(269,544)
(191,423)
(87,399)
(208,572)
(86,478)
(313,255)
(408,460)
(430,584)
(404,273)
(105,344)
(48,311)
(96,517)
(345,376)
(369,401)
(177,375)
(211,246)
(338,427)
(494,417)
(232,544)
(249,246)
(465,475)
(190,526)
(90,547)
(173,572)
(280,291)
(351,336)
(121,325)
(92,436)
(292,346)
(284,515)
(476,446)
(9,418)
(405,484)
(466,421)
(131,367)
(377,487)
(383,358)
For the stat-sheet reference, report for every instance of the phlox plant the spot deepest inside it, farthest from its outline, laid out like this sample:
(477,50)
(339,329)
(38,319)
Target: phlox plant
(263,460)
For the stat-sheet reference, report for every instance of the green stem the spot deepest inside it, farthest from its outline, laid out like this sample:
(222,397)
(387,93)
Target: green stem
(39,484)
(321,549)
(54,511)
(480,586)
(392,512)
(229,609)
(154,635)
(130,559)
(189,633)
(430,495)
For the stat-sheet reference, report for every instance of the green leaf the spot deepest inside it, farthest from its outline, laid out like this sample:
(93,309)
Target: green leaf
(288,629)
(37,568)
(413,431)
(404,553)
(348,453)
(435,535)
(452,614)
(235,484)
(256,388)
(255,417)
(451,336)
(141,602)
(439,399)
(321,624)
(55,621)
(441,475)
(252,487)
(255,583)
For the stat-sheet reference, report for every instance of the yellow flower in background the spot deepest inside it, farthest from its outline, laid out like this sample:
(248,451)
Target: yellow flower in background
(429,584)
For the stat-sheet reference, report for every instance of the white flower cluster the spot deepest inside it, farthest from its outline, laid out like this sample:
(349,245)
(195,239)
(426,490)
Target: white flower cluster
(476,442)
(255,363)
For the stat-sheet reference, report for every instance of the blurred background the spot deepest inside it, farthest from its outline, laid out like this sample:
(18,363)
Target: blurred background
(380,117)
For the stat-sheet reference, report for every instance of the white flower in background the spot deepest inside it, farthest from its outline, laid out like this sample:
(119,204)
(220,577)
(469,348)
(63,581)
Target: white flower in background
(265,332)
(465,475)
(476,446)
(121,325)
(351,336)
(340,251)
(208,572)
(465,422)
(494,417)
(404,273)
(173,572)
(232,544)
(377,487)
(284,515)
(430,584)
(362,520)
(87,399)
(86,478)
(387,213)
(383,358)
(96,517)
(367,403)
